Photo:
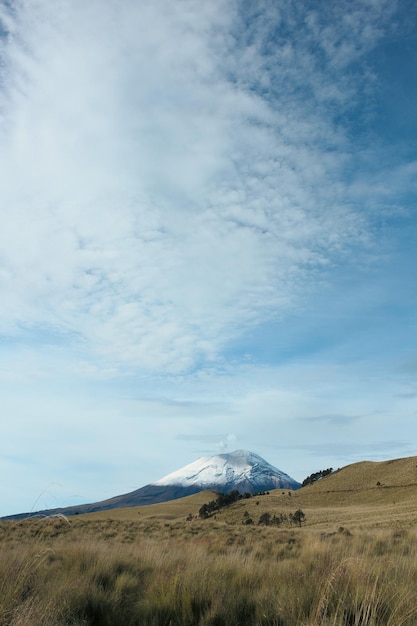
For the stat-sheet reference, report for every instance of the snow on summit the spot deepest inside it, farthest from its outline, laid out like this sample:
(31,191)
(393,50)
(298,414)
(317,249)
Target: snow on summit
(241,470)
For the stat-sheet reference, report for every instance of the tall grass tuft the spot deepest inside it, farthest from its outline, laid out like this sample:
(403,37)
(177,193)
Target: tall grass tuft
(55,573)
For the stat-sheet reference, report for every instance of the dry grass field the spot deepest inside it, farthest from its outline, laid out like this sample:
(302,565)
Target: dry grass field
(364,495)
(353,561)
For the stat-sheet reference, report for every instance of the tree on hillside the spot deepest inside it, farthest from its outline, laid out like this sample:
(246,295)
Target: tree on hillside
(298,517)
(203,512)
(265,519)
(316,476)
(247,518)
(222,500)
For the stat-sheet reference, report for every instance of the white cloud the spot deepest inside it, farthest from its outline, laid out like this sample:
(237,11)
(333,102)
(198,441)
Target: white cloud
(179,182)
(154,202)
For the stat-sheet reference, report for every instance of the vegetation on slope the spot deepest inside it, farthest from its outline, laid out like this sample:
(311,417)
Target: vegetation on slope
(367,475)
(352,563)
(113,573)
(316,476)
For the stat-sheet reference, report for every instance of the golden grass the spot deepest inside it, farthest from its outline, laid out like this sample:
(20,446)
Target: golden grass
(170,510)
(353,563)
(361,495)
(207,572)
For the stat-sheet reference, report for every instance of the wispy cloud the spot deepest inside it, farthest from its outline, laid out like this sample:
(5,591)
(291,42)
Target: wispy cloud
(166,172)
(207,235)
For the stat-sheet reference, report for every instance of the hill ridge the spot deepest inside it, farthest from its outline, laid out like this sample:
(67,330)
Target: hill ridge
(240,470)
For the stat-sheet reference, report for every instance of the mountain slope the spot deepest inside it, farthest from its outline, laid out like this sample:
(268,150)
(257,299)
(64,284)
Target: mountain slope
(367,481)
(240,470)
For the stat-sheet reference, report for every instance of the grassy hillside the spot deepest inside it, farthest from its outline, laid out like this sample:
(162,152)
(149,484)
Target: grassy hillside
(361,495)
(352,563)
(366,476)
(174,509)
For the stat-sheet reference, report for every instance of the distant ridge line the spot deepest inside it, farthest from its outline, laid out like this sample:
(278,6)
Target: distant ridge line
(240,470)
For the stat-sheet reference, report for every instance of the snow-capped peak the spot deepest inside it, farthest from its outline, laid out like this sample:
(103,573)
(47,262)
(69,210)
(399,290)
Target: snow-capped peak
(241,470)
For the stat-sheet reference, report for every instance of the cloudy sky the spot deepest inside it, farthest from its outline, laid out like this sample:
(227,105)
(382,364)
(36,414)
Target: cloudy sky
(207,239)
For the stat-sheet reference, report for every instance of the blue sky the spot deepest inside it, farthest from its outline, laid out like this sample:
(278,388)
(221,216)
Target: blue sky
(208,239)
